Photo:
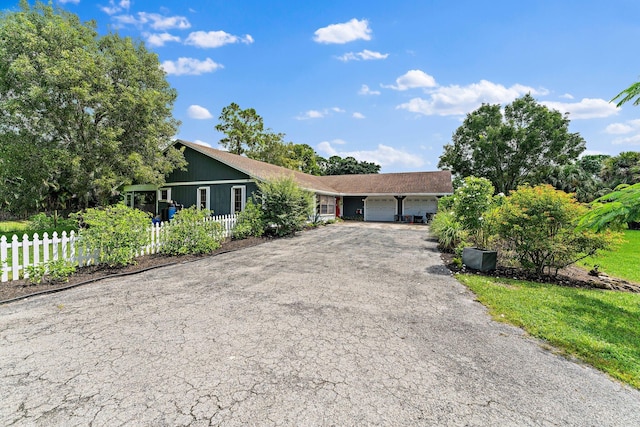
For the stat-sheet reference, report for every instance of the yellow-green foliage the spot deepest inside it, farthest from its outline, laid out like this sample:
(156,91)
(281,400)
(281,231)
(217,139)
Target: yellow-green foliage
(539,225)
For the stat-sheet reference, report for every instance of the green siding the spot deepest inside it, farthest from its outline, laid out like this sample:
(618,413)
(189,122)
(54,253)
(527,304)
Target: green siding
(203,168)
(350,204)
(220,195)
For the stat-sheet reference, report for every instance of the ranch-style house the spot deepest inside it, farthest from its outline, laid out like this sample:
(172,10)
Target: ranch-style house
(223,182)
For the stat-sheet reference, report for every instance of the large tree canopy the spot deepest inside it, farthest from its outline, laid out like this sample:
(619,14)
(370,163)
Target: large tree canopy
(81,115)
(511,148)
(245,134)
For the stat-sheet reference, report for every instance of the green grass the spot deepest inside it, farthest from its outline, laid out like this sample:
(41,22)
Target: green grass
(598,327)
(9,228)
(623,262)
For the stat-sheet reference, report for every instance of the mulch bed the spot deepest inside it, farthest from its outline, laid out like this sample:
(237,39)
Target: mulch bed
(571,276)
(21,288)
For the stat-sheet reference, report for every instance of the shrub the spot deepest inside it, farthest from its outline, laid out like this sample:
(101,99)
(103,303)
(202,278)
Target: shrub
(250,222)
(471,202)
(285,205)
(447,230)
(539,225)
(191,231)
(57,271)
(117,231)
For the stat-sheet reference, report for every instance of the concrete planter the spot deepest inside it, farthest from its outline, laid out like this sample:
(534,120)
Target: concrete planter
(479,259)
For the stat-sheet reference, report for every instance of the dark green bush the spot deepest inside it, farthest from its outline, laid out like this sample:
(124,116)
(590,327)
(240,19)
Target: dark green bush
(250,222)
(286,207)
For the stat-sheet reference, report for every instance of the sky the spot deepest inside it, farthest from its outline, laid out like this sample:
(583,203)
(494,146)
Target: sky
(386,81)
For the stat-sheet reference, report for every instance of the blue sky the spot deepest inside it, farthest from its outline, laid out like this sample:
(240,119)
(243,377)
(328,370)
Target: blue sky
(386,81)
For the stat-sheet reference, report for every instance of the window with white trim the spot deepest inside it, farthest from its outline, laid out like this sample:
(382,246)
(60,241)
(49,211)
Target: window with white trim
(203,198)
(164,195)
(327,205)
(238,198)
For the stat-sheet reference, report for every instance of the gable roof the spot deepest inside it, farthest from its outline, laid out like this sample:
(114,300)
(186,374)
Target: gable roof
(408,183)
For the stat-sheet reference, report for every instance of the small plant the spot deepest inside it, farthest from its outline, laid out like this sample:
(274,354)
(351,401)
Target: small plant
(117,231)
(60,270)
(192,232)
(40,221)
(448,230)
(250,222)
(36,273)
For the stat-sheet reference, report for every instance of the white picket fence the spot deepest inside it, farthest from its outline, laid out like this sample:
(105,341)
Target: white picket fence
(17,254)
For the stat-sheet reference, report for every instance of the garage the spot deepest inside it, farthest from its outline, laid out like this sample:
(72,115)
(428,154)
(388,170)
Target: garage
(380,208)
(419,205)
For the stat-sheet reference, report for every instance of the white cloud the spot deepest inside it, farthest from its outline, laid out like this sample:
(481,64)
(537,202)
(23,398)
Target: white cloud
(190,66)
(113,7)
(365,55)
(198,112)
(159,39)
(311,114)
(630,140)
(154,20)
(460,100)
(344,33)
(159,22)
(69,1)
(413,79)
(587,108)
(199,142)
(357,115)
(214,39)
(319,114)
(364,90)
(618,129)
(383,155)
(566,96)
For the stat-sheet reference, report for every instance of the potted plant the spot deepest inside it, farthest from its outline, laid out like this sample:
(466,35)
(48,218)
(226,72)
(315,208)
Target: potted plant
(471,201)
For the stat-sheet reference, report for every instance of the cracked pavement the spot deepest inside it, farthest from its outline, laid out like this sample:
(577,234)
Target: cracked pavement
(350,324)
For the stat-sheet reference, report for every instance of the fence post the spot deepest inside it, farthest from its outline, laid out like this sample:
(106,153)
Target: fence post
(45,247)
(3,259)
(36,249)
(55,241)
(15,258)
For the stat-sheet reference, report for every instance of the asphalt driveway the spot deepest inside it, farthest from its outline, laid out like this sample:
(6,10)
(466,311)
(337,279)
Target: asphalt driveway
(351,324)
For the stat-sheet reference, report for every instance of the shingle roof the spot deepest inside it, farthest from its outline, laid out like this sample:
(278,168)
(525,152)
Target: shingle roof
(432,183)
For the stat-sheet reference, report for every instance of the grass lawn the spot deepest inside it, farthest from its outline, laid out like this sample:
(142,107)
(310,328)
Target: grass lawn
(598,327)
(623,263)
(9,228)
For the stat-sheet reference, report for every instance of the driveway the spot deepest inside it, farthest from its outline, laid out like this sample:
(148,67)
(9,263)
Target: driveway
(350,324)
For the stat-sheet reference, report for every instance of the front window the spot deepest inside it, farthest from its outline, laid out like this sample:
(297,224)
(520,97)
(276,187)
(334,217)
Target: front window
(203,198)
(327,205)
(164,195)
(238,198)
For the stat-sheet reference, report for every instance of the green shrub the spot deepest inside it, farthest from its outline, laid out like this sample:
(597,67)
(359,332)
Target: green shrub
(448,230)
(249,222)
(36,273)
(57,271)
(285,206)
(539,225)
(60,270)
(42,222)
(471,202)
(117,231)
(191,231)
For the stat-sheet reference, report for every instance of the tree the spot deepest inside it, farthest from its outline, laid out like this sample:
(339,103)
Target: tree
(621,169)
(307,159)
(244,129)
(513,148)
(615,209)
(337,165)
(628,94)
(80,115)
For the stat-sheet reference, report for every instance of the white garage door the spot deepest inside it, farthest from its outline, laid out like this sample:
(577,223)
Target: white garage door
(379,208)
(419,206)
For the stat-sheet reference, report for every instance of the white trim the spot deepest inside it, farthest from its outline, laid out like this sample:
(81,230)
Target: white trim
(159,196)
(202,183)
(207,204)
(243,197)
